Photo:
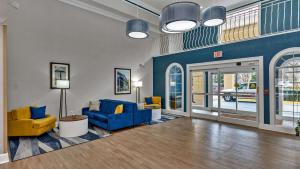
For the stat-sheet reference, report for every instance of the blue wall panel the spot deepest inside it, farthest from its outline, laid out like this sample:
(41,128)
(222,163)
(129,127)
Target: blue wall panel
(266,47)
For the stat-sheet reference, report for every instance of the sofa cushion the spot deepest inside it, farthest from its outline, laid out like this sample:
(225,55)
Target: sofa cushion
(148,100)
(127,106)
(100,117)
(152,106)
(38,112)
(107,107)
(40,123)
(21,113)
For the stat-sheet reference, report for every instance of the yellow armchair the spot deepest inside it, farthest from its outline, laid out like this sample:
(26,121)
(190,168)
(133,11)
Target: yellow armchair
(28,127)
(156,102)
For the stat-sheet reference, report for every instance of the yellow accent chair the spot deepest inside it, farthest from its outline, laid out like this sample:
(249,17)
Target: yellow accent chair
(156,102)
(21,124)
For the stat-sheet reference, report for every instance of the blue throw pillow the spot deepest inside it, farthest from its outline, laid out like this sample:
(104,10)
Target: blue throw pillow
(38,112)
(148,100)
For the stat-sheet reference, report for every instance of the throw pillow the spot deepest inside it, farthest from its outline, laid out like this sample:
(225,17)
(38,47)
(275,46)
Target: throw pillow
(148,100)
(119,109)
(38,112)
(94,106)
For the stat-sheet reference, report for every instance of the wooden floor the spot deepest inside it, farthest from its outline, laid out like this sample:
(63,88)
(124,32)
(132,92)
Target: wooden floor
(178,144)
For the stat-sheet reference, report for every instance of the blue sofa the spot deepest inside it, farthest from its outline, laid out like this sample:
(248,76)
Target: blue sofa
(106,119)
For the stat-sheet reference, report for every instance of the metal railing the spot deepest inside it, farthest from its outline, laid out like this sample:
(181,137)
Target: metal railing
(263,19)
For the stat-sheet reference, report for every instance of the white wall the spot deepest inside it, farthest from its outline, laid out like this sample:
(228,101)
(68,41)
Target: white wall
(3,10)
(1,88)
(3,17)
(44,31)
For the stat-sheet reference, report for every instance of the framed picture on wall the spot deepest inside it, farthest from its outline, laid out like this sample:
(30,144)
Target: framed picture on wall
(122,81)
(58,71)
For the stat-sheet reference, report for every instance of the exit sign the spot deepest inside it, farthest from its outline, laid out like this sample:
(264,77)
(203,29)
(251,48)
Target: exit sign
(218,54)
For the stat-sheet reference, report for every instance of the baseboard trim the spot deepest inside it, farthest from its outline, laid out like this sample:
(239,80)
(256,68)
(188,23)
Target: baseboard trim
(179,113)
(4,158)
(276,129)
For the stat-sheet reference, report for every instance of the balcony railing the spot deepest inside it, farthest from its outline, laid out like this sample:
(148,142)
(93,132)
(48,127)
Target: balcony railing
(263,19)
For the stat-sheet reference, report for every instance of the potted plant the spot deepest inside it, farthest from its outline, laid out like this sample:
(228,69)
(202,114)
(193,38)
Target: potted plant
(297,128)
(297,131)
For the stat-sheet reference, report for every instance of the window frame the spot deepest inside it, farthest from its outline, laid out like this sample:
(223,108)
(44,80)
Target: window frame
(167,88)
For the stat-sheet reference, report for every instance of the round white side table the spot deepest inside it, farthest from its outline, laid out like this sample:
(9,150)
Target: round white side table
(156,114)
(73,126)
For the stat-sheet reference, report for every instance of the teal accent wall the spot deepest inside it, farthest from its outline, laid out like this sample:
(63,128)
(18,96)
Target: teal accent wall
(266,47)
(202,36)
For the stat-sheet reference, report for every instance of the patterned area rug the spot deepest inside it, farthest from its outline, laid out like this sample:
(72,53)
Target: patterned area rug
(164,118)
(23,147)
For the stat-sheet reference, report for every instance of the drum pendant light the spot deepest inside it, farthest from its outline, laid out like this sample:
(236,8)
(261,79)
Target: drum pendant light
(163,30)
(214,16)
(137,29)
(180,17)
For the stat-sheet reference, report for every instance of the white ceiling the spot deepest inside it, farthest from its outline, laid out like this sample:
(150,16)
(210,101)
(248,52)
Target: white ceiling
(123,11)
(159,4)
(3,10)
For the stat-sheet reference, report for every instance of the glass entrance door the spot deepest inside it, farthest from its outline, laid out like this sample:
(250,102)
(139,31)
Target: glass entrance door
(238,95)
(226,94)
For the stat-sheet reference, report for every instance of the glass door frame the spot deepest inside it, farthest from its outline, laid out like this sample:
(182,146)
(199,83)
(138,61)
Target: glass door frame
(256,62)
(272,82)
(206,95)
(236,71)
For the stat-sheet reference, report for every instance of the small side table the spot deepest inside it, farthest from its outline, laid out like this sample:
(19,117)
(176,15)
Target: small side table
(73,126)
(156,114)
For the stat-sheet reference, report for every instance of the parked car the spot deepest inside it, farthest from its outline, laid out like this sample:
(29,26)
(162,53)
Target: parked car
(246,90)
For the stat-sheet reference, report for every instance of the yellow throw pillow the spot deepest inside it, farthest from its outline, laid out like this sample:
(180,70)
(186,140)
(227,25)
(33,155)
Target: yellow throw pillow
(119,109)
(21,113)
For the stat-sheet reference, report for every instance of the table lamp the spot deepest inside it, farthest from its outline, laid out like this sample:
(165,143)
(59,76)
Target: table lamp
(138,85)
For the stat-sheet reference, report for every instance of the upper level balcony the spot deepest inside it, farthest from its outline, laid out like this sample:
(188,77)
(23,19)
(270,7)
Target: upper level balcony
(257,20)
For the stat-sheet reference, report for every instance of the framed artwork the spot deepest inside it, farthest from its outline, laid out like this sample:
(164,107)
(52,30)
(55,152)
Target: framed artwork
(59,71)
(122,81)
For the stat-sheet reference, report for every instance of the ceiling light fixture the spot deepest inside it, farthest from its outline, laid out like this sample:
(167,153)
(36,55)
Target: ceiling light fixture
(137,29)
(214,16)
(164,30)
(180,17)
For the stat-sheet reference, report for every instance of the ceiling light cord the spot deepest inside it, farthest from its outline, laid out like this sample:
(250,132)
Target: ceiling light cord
(142,7)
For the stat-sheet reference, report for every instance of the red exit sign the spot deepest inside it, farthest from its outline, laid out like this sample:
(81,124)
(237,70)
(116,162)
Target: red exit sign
(218,54)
